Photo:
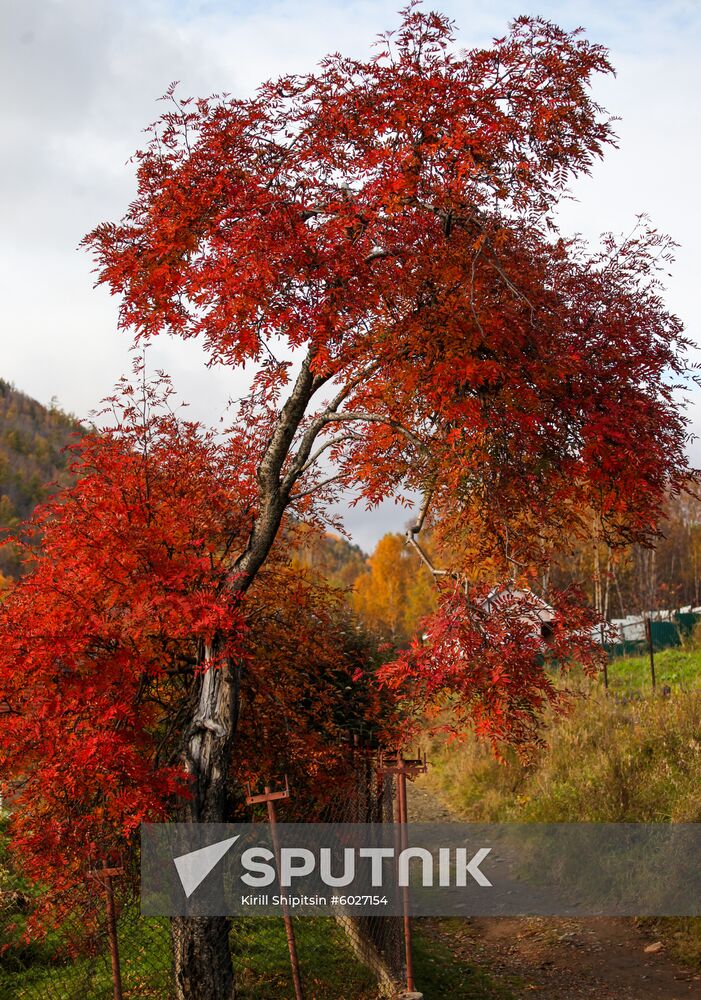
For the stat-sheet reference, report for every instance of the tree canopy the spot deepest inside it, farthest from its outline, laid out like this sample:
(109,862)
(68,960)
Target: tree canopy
(391,222)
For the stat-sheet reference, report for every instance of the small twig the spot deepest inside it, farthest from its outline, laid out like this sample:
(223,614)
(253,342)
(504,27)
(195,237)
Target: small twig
(316,487)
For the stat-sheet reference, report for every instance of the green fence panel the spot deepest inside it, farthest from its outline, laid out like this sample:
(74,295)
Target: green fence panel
(664,635)
(686,621)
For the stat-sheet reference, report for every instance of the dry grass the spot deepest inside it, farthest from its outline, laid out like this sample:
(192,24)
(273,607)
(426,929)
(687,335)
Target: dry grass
(611,759)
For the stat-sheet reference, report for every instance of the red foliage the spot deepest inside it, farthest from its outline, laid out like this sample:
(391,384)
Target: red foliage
(494,658)
(127,577)
(391,221)
(99,642)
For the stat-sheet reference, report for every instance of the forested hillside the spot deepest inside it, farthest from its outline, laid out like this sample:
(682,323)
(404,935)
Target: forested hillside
(390,590)
(33,439)
(337,560)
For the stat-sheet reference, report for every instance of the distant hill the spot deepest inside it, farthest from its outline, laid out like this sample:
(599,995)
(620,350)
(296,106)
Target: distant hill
(336,559)
(32,460)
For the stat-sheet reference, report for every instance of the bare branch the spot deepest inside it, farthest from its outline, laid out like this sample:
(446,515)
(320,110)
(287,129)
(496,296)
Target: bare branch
(315,456)
(274,493)
(317,425)
(317,486)
(378,254)
(376,418)
(425,559)
(428,497)
(416,528)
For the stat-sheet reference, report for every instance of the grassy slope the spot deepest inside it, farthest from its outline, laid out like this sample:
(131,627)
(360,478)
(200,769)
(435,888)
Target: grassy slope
(676,668)
(627,756)
(610,759)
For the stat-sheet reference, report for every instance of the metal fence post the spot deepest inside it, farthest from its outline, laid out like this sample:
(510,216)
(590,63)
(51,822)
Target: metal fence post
(270,798)
(406,767)
(648,636)
(105,875)
(606,660)
(404,843)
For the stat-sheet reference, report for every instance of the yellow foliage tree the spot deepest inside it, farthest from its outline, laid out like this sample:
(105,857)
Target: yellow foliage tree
(395,592)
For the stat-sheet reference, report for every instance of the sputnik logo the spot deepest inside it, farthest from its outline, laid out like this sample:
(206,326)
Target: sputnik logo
(300,862)
(194,867)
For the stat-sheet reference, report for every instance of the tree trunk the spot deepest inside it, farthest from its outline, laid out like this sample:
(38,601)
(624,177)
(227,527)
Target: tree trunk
(203,968)
(201,952)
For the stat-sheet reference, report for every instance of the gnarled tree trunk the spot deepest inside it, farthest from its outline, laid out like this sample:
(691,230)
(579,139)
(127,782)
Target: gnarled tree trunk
(203,968)
(202,956)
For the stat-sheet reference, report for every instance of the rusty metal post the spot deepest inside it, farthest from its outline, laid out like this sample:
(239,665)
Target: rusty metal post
(606,660)
(651,648)
(105,875)
(403,768)
(404,843)
(270,798)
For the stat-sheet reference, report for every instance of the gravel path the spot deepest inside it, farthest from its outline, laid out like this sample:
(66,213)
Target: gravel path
(559,958)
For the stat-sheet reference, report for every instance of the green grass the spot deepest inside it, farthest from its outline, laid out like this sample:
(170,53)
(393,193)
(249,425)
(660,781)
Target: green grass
(330,970)
(677,668)
(83,978)
(440,974)
(144,948)
(259,947)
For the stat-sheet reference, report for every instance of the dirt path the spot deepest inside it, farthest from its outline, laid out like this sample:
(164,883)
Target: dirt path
(560,958)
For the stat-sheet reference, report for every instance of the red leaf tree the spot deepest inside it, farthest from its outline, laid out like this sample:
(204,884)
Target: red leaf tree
(377,241)
(102,649)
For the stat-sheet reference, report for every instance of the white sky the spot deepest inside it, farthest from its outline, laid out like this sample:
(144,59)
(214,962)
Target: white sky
(80,79)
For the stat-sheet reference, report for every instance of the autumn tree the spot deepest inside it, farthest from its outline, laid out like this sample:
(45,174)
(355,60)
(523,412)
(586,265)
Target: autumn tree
(101,636)
(396,592)
(376,242)
(108,614)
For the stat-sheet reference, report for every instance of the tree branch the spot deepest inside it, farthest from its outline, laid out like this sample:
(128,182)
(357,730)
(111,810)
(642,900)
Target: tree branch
(416,528)
(289,420)
(376,418)
(315,456)
(317,486)
(318,423)
(411,539)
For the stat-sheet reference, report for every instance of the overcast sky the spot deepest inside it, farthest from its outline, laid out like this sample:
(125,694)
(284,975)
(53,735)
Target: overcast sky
(80,79)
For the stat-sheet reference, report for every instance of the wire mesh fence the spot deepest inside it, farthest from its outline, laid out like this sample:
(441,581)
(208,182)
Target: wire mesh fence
(370,797)
(73,959)
(346,957)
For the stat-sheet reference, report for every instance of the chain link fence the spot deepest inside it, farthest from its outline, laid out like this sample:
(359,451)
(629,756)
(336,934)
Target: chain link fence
(342,958)
(73,959)
(370,798)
